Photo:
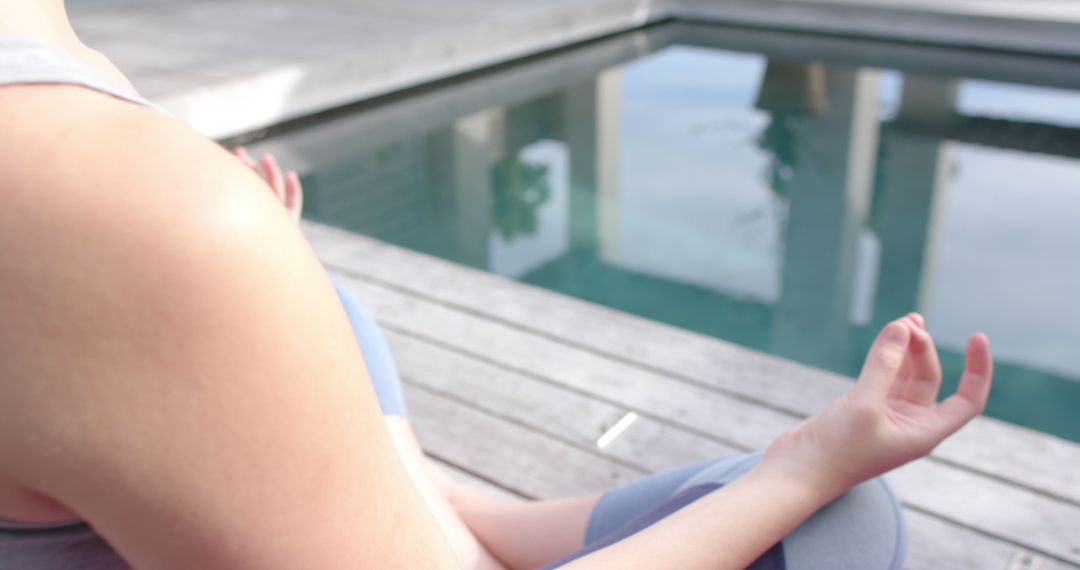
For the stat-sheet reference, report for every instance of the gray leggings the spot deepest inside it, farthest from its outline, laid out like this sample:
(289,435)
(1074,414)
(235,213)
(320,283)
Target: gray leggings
(864,529)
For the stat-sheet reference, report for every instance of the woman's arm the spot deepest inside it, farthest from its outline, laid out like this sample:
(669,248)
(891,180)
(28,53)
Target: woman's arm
(176,367)
(885,420)
(727,529)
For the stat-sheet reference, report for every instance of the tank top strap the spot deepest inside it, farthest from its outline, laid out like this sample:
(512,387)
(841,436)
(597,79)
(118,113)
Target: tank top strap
(32,61)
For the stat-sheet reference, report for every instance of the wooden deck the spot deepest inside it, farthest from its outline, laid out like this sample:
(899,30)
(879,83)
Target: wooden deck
(511,386)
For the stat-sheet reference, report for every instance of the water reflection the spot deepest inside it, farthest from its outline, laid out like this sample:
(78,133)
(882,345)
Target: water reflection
(790,205)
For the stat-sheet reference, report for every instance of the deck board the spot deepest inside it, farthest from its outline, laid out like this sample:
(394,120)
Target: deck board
(682,354)
(491,447)
(549,374)
(933,544)
(576,418)
(984,503)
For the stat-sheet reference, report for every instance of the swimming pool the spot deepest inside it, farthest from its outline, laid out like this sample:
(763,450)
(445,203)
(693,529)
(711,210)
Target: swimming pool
(788,193)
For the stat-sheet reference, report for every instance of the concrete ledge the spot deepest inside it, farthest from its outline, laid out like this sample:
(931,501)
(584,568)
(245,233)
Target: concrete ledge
(982,25)
(229,67)
(223,108)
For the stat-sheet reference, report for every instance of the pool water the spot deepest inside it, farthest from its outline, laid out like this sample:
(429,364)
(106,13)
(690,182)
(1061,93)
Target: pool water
(789,199)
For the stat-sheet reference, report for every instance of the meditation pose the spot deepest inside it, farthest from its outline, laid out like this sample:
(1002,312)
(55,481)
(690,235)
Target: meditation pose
(182,385)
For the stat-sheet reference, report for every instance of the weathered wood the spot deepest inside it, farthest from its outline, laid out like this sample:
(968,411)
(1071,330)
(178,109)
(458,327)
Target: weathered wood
(1033,459)
(1033,520)
(653,446)
(933,543)
(493,450)
(613,333)
(647,444)
(1006,511)
(622,384)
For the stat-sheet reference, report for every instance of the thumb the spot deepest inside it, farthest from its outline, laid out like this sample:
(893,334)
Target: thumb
(884,361)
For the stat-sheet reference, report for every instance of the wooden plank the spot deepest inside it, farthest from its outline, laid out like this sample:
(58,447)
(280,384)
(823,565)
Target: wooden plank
(648,445)
(520,460)
(933,543)
(1006,511)
(1033,459)
(1025,517)
(624,385)
(716,363)
(571,416)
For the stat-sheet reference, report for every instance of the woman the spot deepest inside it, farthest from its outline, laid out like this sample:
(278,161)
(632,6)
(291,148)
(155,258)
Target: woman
(164,379)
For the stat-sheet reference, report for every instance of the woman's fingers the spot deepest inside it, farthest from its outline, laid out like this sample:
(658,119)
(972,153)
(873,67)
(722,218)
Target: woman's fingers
(885,360)
(242,154)
(925,381)
(970,397)
(294,195)
(917,319)
(896,391)
(906,375)
(272,174)
(287,188)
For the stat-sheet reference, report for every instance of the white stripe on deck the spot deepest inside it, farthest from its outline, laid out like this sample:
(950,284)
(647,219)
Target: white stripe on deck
(616,430)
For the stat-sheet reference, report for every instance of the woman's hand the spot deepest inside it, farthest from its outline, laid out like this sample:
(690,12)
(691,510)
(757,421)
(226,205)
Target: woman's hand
(286,187)
(889,417)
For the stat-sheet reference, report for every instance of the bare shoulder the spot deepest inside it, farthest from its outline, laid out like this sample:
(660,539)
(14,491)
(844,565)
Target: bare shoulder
(123,204)
(67,148)
(75,160)
(174,365)
(116,218)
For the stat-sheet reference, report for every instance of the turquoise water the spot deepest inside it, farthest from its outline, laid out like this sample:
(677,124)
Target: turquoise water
(789,204)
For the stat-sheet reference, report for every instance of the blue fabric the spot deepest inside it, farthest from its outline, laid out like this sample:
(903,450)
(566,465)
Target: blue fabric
(377,357)
(772,559)
(621,504)
(629,501)
(864,528)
